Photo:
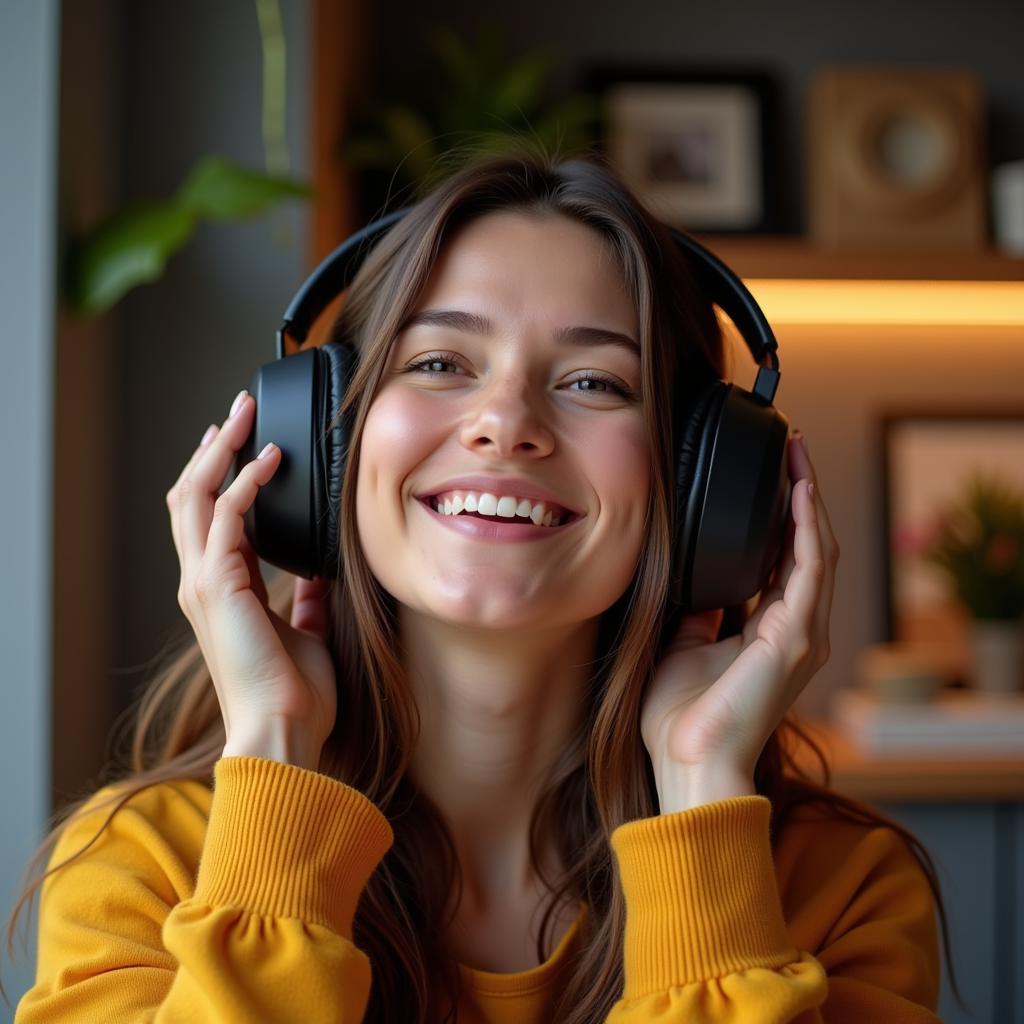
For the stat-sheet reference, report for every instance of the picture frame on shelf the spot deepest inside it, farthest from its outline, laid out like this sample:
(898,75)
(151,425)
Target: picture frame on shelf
(926,457)
(694,145)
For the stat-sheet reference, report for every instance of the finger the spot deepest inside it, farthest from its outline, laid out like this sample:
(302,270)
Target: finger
(806,468)
(804,587)
(258,584)
(172,503)
(776,585)
(829,545)
(227,528)
(205,481)
(311,606)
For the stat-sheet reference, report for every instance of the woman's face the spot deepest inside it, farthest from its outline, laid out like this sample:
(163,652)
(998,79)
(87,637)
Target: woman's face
(506,400)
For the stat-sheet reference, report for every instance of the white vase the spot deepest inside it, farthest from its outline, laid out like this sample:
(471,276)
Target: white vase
(997,655)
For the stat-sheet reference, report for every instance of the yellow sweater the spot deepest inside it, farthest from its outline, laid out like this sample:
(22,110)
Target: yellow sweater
(236,904)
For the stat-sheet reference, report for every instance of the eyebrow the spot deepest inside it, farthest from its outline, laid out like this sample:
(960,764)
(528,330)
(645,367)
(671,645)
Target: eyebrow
(474,323)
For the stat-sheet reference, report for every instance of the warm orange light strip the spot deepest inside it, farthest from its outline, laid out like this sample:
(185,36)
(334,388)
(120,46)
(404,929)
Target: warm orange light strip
(939,303)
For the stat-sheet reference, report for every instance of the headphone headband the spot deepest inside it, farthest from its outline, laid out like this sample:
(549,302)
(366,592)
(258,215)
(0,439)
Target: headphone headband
(718,281)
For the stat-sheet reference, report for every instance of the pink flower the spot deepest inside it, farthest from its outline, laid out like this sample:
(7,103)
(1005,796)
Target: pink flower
(1003,552)
(913,538)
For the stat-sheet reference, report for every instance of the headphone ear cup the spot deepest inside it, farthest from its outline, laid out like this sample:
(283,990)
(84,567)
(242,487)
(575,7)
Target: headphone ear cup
(330,444)
(732,499)
(695,444)
(292,523)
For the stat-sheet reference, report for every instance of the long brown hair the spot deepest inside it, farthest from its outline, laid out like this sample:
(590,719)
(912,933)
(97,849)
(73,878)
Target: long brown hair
(603,778)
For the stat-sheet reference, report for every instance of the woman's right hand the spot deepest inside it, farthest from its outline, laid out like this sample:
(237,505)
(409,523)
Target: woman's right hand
(275,681)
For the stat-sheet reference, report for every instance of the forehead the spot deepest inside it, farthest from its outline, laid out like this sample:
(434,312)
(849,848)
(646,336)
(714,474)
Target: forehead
(541,265)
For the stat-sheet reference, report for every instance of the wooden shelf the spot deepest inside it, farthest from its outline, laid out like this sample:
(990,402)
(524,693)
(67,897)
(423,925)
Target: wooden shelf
(915,779)
(796,257)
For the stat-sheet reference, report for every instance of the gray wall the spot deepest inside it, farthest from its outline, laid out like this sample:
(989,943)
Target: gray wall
(28,113)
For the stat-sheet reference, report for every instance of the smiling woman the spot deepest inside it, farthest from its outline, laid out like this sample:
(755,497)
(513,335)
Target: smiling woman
(508,401)
(476,778)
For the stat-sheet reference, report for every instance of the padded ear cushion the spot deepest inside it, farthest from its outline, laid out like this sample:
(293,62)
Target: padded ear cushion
(336,364)
(695,450)
(735,505)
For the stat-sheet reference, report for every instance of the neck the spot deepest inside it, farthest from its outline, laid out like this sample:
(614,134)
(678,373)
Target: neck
(497,710)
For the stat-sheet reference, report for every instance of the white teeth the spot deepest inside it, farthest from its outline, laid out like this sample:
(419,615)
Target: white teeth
(487,504)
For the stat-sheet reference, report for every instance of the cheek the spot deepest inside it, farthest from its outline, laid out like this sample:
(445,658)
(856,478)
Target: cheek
(617,460)
(399,435)
(396,439)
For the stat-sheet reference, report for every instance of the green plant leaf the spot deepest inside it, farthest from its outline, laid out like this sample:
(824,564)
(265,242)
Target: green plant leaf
(520,88)
(128,249)
(570,122)
(476,100)
(455,59)
(413,138)
(220,190)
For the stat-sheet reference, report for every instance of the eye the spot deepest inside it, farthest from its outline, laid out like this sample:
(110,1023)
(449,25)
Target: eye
(443,358)
(591,377)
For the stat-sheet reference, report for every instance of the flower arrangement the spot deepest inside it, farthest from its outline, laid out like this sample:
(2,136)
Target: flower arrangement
(978,542)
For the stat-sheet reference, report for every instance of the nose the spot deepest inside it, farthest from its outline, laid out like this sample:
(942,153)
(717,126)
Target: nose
(505,421)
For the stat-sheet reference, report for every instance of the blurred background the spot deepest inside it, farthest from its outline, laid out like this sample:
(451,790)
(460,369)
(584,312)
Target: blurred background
(172,172)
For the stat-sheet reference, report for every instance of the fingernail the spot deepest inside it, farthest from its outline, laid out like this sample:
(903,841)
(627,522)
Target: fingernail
(211,432)
(237,403)
(266,451)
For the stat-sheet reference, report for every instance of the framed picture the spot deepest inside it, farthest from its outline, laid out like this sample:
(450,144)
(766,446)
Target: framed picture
(928,457)
(693,145)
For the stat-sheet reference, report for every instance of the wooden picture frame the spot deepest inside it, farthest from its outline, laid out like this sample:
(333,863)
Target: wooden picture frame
(694,145)
(925,456)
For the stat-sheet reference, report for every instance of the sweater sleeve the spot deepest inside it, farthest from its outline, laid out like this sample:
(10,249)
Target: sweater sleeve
(706,940)
(266,932)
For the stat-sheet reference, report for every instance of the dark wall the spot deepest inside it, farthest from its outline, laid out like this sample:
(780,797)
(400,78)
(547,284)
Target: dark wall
(796,38)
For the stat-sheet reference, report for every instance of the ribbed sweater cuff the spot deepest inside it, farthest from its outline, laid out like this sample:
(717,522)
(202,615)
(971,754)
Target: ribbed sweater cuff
(289,842)
(702,900)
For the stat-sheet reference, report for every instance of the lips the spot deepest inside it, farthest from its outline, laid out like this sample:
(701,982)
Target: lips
(498,530)
(502,485)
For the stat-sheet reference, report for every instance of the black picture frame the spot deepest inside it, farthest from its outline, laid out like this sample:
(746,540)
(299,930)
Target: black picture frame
(924,455)
(694,144)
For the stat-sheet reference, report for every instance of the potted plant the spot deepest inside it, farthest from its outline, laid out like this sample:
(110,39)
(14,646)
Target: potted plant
(473,99)
(979,545)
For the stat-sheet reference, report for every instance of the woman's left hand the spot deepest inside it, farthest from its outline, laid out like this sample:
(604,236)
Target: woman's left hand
(712,706)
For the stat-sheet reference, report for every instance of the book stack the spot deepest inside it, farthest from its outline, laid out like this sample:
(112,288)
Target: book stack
(957,723)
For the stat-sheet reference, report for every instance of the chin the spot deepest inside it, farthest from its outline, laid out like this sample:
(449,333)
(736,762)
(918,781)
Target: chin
(491,611)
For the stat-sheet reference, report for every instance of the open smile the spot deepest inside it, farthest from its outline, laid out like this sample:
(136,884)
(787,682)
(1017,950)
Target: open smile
(485,528)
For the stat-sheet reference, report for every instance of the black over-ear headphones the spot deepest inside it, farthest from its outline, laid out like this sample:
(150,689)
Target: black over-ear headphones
(732,483)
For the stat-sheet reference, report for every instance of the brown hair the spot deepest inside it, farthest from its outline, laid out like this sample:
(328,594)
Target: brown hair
(603,779)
